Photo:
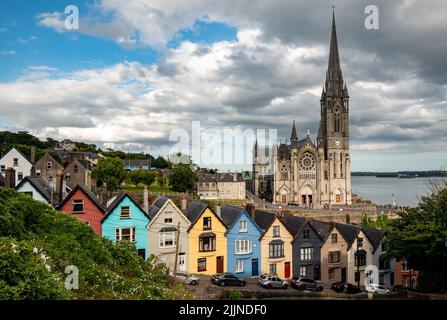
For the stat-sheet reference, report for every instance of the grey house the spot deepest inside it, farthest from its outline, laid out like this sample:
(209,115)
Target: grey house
(306,246)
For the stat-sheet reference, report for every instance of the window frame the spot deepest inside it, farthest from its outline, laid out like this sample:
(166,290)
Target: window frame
(126,216)
(79,202)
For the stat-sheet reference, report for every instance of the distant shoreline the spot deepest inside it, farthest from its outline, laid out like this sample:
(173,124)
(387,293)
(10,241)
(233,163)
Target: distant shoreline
(402,174)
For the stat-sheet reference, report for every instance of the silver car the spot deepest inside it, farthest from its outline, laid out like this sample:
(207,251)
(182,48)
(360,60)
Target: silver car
(187,278)
(270,281)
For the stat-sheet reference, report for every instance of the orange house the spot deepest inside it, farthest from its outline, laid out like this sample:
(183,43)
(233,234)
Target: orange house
(403,275)
(85,206)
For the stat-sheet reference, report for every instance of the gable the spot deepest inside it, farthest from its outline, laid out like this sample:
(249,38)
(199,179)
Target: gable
(136,212)
(284,231)
(15,153)
(313,234)
(168,206)
(214,219)
(252,227)
(42,162)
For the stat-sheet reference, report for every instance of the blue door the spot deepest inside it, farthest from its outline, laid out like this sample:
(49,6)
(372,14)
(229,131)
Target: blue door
(254,267)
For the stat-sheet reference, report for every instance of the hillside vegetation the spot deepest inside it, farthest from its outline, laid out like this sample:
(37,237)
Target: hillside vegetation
(37,243)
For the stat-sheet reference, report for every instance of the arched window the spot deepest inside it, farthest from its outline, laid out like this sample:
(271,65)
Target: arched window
(337,121)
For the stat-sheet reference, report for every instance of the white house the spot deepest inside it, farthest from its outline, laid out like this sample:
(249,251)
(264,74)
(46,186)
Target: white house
(15,159)
(163,229)
(37,188)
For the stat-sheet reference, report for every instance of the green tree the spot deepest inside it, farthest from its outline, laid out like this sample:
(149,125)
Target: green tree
(182,178)
(142,176)
(382,222)
(419,235)
(110,171)
(161,163)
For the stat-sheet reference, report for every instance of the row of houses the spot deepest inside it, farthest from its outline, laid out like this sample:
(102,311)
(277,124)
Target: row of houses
(221,186)
(244,241)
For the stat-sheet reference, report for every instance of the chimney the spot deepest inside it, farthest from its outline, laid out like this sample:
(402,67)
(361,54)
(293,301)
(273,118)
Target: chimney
(250,208)
(33,155)
(59,185)
(217,210)
(10,178)
(183,204)
(235,177)
(146,200)
(348,219)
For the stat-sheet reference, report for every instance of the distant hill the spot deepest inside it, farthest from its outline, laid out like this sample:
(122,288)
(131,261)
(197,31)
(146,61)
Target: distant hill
(402,174)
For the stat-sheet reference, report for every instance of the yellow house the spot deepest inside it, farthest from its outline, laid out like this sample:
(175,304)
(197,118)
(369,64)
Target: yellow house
(207,242)
(276,245)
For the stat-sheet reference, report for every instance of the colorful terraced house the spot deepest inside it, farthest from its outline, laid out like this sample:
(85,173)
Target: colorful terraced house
(207,242)
(244,247)
(126,220)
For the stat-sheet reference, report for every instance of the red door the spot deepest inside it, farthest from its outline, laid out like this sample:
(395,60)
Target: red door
(286,270)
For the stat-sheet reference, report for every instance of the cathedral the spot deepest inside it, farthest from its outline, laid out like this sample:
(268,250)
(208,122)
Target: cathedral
(305,173)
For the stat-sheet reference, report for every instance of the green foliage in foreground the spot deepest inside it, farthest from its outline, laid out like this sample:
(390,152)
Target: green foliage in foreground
(37,243)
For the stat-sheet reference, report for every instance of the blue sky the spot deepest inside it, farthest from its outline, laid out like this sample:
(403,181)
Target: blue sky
(138,70)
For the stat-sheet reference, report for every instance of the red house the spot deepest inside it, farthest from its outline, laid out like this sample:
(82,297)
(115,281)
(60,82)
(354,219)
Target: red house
(84,205)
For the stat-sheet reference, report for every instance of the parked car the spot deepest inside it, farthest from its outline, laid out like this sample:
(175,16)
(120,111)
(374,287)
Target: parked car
(377,288)
(187,278)
(301,283)
(400,287)
(227,279)
(270,281)
(345,287)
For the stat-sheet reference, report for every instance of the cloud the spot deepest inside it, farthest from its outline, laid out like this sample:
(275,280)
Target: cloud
(8,53)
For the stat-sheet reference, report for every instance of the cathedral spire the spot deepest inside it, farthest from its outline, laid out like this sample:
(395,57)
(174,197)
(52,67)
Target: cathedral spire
(294,136)
(334,77)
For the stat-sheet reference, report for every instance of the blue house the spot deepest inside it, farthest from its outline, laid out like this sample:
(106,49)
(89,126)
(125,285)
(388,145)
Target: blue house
(126,220)
(243,245)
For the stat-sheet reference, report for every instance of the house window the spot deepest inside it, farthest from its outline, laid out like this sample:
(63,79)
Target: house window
(276,250)
(78,206)
(168,218)
(334,257)
(206,223)
(239,266)
(243,226)
(167,239)
(360,242)
(181,259)
(304,271)
(15,162)
(201,264)
(51,178)
(360,258)
(38,173)
(276,232)
(67,176)
(19,176)
(49,165)
(125,212)
(76,168)
(28,193)
(207,243)
(127,234)
(306,234)
(272,268)
(2,168)
(334,238)
(331,274)
(307,254)
(243,246)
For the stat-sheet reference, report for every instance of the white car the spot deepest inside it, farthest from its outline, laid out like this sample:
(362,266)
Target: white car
(377,288)
(187,278)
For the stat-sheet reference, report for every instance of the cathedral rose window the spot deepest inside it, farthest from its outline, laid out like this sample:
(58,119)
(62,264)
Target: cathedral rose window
(307,162)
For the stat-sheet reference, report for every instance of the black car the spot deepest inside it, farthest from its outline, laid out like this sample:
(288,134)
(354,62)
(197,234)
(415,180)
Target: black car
(301,283)
(345,287)
(400,287)
(227,279)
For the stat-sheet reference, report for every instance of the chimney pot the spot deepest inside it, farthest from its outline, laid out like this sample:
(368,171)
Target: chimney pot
(218,212)
(146,200)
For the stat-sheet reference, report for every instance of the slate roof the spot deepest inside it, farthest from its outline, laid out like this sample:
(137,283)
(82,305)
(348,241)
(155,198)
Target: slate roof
(230,214)
(294,224)
(194,211)
(88,193)
(219,177)
(40,184)
(322,228)
(157,205)
(264,219)
(348,232)
(374,236)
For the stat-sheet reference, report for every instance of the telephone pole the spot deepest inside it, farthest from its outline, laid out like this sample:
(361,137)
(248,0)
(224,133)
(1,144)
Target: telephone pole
(176,248)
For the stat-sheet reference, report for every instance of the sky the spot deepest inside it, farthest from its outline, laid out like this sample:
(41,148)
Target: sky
(138,74)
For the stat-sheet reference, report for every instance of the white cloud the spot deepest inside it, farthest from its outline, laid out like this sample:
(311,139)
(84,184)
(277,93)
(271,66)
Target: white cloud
(8,53)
